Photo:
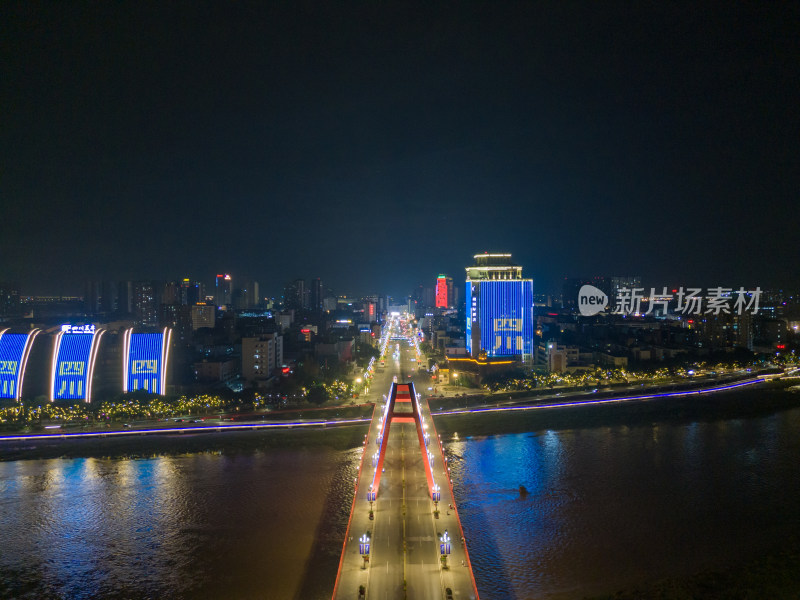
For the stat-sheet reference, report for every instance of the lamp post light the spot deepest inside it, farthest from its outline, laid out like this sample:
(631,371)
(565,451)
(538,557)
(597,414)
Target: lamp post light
(363,549)
(444,548)
(436,495)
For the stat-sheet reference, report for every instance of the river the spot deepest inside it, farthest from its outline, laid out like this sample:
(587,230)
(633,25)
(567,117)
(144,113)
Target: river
(262,525)
(607,506)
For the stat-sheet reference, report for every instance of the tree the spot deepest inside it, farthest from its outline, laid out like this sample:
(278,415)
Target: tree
(317,395)
(364,352)
(497,381)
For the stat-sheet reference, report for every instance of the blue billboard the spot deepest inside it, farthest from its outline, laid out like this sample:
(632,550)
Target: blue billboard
(502,311)
(73,362)
(145,358)
(14,351)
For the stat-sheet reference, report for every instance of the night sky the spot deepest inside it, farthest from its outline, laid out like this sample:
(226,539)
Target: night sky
(376,145)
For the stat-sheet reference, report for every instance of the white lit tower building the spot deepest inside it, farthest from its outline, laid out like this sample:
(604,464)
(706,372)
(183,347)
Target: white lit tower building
(499,309)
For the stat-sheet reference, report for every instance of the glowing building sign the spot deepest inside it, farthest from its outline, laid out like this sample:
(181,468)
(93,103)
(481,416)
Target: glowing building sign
(145,361)
(14,351)
(500,317)
(78,329)
(74,356)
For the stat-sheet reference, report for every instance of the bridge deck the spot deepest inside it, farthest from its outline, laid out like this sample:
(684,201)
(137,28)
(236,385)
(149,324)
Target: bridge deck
(404,560)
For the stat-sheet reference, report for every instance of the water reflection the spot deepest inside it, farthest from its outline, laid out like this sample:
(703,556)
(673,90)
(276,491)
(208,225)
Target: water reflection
(177,527)
(610,507)
(605,508)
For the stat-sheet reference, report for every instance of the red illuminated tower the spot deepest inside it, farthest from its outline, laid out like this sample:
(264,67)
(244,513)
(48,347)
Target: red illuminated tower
(442,297)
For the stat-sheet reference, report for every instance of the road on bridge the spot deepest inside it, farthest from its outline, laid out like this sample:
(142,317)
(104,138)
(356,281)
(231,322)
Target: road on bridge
(404,559)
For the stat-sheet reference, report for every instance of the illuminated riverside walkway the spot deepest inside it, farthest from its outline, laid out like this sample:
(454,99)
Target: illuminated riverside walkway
(397,553)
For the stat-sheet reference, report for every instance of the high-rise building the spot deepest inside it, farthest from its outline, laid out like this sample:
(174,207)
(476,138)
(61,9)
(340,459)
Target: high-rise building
(317,295)
(192,292)
(252,296)
(262,356)
(145,360)
(203,315)
(444,291)
(499,308)
(9,299)
(419,294)
(247,296)
(610,286)
(223,290)
(109,297)
(617,283)
(74,357)
(239,301)
(186,285)
(172,293)
(91,297)
(370,310)
(15,348)
(177,317)
(330,303)
(125,297)
(294,295)
(146,298)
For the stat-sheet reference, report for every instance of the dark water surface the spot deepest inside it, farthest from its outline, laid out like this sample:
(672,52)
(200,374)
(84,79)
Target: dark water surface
(607,507)
(264,525)
(611,507)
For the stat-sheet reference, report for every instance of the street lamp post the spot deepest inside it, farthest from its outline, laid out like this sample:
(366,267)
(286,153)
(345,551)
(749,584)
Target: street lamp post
(444,548)
(363,549)
(436,495)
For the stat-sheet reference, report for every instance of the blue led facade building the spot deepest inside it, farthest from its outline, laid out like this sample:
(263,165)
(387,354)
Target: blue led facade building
(499,309)
(145,357)
(74,357)
(14,351)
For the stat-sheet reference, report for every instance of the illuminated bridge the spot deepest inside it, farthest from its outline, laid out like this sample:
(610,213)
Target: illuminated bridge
(404,538)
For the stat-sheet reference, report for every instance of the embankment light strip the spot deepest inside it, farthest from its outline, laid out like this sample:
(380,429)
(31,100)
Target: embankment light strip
(198,429)
(601,400)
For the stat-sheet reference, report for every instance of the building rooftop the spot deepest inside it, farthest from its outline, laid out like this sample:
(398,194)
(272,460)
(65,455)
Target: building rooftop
(493,266)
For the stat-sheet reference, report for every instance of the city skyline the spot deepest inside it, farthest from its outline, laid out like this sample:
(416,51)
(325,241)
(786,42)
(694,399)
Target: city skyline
(276,291)
(376,146)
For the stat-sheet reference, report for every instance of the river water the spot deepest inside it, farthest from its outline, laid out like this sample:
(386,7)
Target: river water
(606,507)
(263,525)
(609,508)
